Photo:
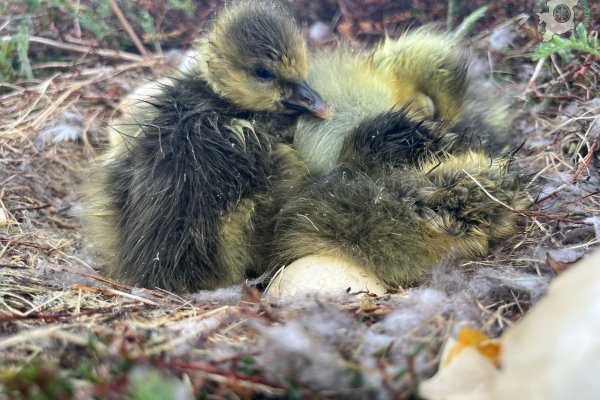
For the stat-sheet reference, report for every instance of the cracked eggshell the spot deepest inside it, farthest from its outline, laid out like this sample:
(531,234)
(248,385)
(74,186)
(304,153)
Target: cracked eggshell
(553,353)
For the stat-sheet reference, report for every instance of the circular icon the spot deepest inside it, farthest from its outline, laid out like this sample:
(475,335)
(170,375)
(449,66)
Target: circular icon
(562,13)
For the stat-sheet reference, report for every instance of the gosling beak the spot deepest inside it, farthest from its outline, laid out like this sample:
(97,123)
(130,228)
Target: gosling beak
(306,99)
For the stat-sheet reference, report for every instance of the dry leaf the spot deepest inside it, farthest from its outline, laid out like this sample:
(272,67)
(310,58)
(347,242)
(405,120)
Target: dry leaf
(557,266)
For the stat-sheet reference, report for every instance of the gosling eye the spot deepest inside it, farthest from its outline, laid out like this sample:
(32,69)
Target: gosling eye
(264,74)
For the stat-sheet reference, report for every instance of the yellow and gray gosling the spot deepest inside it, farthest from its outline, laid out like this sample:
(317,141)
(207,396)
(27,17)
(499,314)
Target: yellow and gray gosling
(179,202)
(401,178)
(423,74)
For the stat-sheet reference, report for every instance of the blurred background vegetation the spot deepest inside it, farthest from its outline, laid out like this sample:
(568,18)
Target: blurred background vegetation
(165,24)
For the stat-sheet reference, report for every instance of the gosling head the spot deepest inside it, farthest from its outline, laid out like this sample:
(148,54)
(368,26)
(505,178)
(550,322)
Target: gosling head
(256,58)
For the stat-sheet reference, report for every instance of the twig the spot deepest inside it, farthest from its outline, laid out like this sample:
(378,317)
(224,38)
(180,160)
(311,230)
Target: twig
(76,24)
(578,118)
(217,372)
(536,72)
(491,196)
(136,40)
(115,292)
(41,317)
(27,244)
(36,308)
(193,332)
(40,207)
(586,161)
(114,54)
(98,278)
(550,217)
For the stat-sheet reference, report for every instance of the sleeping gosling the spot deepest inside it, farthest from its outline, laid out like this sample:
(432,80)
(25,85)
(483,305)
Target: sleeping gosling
(398,181)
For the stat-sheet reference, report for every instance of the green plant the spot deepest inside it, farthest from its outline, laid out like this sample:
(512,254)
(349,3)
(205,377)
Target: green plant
(184,5)
(14,61)
(564,47)
(39,380)
(95,19)
(22,48)
(7,69)
(151,385)
(467,24)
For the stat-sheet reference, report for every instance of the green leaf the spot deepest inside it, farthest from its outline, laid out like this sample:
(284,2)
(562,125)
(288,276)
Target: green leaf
(150,385)
(469,22)
(565,48)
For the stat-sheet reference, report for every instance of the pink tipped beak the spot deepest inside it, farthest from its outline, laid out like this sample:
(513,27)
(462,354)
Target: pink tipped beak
(306,99)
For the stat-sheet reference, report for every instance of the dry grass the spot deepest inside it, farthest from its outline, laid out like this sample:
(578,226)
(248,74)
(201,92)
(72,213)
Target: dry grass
(67,332)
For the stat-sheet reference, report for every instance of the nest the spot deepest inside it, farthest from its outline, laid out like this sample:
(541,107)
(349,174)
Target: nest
(68,332)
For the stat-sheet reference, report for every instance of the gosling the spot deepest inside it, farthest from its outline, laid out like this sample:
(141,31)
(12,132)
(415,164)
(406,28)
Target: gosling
(398,182)
(179,193)
(422,74)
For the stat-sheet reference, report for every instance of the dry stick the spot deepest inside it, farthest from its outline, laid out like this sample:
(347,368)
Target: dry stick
(136,40)
(57,332)
(26,244)
(40,119)
(104,73)
(578,118)
(190,333)
(115,292)
(76,20)
(496,28)
(133,297)
(584,140)
(39,306)
(99,278)
(43,87)
(522,212)
(114,54)
(586,161)
(15,311)
(491,196)
(536,72)
(218,373)
(536,176)
(100,74)
(562,75)
(52,64)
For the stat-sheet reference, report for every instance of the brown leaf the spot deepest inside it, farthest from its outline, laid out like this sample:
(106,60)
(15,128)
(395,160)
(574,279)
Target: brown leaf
(557,266)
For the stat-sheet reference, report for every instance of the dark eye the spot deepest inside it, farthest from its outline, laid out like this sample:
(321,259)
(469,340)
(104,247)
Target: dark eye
(264,74)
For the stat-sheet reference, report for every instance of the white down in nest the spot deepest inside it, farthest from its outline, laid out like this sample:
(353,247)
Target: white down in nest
(552,354)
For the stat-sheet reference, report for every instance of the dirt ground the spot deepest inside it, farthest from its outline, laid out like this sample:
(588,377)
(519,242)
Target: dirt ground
(68,332)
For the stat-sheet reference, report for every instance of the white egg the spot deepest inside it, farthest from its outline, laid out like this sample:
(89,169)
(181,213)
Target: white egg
(323,275)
